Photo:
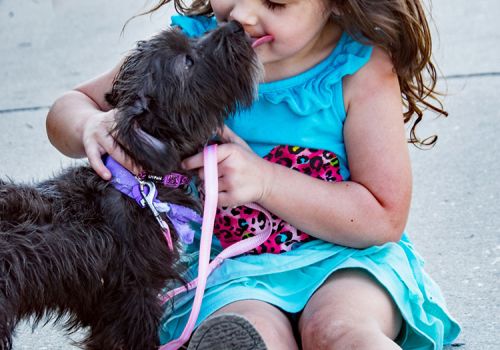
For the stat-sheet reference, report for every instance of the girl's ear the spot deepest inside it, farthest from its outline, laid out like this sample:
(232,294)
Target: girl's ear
(335,13)
(334,9)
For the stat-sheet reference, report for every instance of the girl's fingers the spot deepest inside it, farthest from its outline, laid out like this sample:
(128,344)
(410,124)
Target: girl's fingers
(225,200)
(95,160)
(225,134)
(119,155)
(196,161)
(201,176)
(106,145)
(193,162)
(229,136)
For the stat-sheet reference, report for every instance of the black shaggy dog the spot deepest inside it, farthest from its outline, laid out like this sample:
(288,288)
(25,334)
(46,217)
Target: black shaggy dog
(73,245)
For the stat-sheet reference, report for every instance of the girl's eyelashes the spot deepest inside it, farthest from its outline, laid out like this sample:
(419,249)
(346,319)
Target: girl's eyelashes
(273,6)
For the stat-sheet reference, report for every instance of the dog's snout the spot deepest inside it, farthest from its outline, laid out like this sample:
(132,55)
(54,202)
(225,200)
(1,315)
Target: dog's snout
(235,27)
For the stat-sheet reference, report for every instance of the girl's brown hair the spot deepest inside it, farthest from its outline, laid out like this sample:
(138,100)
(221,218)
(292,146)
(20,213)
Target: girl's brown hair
(398,26)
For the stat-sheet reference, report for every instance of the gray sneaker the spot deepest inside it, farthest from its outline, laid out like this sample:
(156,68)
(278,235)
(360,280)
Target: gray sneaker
(226,332)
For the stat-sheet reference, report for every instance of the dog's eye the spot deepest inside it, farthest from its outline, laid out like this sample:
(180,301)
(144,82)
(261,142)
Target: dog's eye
(188,62)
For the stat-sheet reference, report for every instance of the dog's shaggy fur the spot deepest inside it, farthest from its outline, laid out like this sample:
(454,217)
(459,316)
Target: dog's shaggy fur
(73,245)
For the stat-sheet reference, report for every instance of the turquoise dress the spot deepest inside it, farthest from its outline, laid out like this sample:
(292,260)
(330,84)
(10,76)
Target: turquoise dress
(307,110)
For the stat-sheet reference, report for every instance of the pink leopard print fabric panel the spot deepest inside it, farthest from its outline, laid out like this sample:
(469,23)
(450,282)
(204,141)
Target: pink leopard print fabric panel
(233,225)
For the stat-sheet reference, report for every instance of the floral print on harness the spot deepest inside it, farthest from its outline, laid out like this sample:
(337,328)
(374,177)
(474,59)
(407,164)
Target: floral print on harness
(234,224)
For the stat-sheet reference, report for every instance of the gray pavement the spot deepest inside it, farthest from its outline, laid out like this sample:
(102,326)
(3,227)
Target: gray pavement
(50,46)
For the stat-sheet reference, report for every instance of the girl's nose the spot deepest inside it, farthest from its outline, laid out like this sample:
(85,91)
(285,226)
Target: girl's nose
(244,11)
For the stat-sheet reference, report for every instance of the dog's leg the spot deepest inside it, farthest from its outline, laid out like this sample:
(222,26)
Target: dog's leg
(8,319)
(32,264)
(9,296)
(5,336)
(23,276)
(7,325)
(128,321)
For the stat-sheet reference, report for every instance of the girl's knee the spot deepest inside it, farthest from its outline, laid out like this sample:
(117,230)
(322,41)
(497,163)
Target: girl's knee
(349,309)
(321,330)
(344,334)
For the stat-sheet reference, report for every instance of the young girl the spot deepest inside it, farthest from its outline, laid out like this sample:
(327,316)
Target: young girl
(337,74)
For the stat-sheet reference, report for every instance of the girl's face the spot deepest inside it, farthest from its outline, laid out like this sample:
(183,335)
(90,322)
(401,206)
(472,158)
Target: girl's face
(302,34)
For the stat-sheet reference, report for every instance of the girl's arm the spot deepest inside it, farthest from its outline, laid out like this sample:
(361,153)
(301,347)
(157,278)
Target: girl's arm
(372,207)
(78,123)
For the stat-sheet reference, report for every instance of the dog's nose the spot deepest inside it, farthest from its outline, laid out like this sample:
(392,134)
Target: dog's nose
(235,27)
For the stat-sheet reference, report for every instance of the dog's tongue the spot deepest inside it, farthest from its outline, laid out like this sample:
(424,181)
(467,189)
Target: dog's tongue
(262,40)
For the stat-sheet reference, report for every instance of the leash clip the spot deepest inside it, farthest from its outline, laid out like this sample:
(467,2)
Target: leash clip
(148,199)
(148,196)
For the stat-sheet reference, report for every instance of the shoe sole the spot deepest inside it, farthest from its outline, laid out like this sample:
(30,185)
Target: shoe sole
(226,332)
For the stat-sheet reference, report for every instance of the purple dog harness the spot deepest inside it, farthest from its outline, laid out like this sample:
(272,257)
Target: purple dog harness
(143,190)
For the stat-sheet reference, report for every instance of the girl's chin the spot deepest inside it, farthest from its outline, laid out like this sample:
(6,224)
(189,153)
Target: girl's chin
(264,58)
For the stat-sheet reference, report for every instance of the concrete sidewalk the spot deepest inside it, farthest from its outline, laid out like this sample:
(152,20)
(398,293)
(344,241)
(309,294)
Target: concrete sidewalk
(50,46)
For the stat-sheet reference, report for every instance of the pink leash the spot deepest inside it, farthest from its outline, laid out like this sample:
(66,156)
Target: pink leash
(205,267)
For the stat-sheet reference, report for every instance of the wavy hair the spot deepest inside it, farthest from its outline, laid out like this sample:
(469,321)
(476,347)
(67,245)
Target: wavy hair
(398,26)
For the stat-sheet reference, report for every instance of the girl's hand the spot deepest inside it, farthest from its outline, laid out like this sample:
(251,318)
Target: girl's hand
(244,177)
(97,141)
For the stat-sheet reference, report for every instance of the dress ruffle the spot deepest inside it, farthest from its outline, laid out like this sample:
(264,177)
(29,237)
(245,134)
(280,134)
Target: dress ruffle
(316,88)
(193,26)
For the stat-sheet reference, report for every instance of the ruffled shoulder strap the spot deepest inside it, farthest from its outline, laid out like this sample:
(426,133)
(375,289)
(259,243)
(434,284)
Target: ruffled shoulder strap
(351,57)
(321,86)
(193,26)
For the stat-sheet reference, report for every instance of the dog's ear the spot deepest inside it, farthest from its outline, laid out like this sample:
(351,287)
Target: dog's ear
(145,150)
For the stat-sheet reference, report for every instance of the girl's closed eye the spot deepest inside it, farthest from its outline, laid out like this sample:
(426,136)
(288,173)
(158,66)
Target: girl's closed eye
(274,6)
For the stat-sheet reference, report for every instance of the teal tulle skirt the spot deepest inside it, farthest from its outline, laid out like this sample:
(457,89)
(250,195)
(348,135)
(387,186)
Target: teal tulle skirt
(289,279)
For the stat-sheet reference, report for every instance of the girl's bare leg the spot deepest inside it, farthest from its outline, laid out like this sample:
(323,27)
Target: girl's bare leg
(350,311)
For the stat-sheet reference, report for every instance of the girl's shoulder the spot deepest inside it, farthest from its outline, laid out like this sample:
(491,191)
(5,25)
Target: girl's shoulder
(374,76)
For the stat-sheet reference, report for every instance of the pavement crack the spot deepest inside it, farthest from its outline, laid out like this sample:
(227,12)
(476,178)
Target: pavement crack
(471,75)
(23,109)
(447,77)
